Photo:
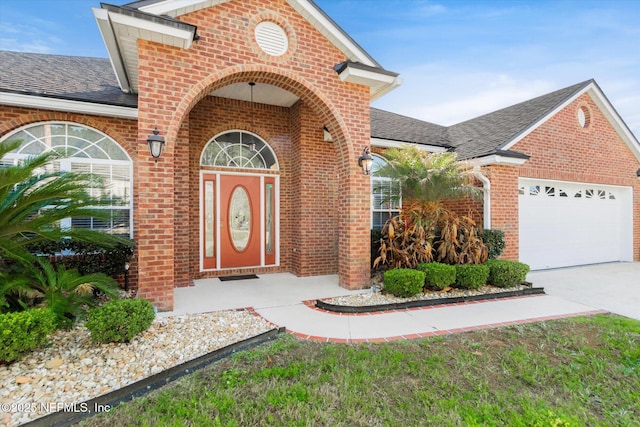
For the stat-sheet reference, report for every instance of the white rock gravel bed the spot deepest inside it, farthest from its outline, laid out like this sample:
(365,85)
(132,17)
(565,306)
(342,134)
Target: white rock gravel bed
(72,369)
(379,298)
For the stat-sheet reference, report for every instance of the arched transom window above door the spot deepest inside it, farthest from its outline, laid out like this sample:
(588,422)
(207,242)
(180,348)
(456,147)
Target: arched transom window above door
(239,149)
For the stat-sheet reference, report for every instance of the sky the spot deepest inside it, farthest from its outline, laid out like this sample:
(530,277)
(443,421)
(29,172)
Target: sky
(458,58)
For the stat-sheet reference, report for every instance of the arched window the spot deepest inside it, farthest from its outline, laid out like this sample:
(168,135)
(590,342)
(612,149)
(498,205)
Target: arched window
(239,149)
(88,151)
(383,189)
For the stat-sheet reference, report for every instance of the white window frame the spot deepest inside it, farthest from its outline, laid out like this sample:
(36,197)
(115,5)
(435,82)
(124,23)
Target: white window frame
(65,163)
(381,209)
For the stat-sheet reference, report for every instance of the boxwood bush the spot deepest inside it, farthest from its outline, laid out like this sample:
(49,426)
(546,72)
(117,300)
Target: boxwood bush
(403,282)
(494,241)
(23,331)
(437,275)
(507,274)
(120,320)
(471,276)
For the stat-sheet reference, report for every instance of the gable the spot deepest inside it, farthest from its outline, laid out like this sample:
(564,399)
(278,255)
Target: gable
(164,21)
(602,111)
(579,143)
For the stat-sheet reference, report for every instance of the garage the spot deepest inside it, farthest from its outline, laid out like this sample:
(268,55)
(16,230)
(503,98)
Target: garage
(564,224)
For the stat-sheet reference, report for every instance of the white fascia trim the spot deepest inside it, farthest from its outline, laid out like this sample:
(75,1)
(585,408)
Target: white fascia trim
(379,83)
(29,101)
(322,24)
(390,143)
(603,104)
(111,43)
(495,159)
(184,38)
(175,8)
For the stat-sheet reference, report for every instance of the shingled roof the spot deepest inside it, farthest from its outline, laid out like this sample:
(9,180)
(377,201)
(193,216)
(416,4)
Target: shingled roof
(63,77)
(489,133)
(92,80)
(394,127)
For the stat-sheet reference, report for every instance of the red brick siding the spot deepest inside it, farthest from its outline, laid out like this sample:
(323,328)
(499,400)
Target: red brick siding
(562,150)
(174,81)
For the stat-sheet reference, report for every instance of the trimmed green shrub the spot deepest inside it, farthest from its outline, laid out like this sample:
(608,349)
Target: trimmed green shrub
(494,241)
(23,331)
(437,275)
(471,276)
(120,320)
(507,274)
(403,282)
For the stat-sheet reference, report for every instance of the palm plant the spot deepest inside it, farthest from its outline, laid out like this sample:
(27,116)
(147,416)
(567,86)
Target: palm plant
(34,199)
(425,230)
(65,292)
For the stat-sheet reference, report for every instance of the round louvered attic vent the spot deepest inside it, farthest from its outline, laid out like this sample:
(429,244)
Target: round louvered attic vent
(271,38)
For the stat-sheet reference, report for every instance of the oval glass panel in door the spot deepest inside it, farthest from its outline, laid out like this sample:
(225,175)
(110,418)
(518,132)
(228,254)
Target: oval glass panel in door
(240,218)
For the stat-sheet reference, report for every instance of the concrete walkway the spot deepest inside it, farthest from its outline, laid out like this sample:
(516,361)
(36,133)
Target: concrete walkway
(613,287)
(283,299)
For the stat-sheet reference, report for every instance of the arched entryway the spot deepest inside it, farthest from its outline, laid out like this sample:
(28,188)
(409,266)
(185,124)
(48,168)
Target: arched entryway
(239,203)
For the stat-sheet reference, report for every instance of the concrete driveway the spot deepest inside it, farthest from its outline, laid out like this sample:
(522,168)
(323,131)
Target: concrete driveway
(614,287)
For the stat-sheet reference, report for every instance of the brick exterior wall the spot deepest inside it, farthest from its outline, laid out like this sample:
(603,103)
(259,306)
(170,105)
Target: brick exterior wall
(173,89)
(561,149)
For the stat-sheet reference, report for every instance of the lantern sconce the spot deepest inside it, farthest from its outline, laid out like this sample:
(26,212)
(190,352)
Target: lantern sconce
(156,144)
(638,173)
(365,161)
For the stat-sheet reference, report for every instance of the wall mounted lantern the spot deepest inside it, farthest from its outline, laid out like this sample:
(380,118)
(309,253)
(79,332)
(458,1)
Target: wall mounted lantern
(156,144)
(638,173)
(366,161)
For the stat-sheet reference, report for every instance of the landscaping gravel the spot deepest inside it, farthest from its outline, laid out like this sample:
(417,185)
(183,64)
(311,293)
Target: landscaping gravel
(377,297)
(73,369)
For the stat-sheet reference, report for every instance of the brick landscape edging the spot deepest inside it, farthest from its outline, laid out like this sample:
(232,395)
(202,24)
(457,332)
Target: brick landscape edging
(424,303)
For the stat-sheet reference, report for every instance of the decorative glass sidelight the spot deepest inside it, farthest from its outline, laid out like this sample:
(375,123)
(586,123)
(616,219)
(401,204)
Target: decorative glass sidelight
(269,197)
(209,219)
(240,218)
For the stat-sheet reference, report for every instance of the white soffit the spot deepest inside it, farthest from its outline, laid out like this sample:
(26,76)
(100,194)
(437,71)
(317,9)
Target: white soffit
(262,94)
(390,143)
(496,159)
(175,8)
(56,104)
(603,104)
(120,34)
(380,83)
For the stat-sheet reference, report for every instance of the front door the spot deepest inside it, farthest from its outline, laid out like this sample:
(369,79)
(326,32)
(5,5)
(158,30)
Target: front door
(239,221)
(239,227)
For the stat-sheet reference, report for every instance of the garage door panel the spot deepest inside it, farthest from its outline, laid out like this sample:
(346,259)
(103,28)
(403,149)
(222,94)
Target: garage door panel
(564,224)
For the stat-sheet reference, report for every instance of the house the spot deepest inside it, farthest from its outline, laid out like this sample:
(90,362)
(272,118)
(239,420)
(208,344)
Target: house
(258,113)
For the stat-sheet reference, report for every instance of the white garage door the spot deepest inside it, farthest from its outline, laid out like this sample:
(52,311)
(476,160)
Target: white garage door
(570,223)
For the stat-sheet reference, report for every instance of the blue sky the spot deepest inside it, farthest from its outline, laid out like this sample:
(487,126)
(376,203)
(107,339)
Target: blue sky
(458,59)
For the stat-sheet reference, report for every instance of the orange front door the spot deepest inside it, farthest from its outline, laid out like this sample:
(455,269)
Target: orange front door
(239,226)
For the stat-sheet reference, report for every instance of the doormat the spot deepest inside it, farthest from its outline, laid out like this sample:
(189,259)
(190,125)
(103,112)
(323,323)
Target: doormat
(240,277)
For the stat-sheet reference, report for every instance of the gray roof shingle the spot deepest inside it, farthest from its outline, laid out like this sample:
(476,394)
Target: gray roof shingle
(63,77)
(93,80)
(484,135)
(392,126)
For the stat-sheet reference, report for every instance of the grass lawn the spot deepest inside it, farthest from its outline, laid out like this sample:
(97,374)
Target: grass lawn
(579,371)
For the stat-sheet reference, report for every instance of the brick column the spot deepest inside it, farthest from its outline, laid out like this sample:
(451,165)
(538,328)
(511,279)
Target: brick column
(154,218)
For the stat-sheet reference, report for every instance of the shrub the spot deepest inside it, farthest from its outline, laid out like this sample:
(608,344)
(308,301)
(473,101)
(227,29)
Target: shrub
(507,274)
(120,320)
(403,282)
(438,276)
(471,276)
(23,331)
(494,241)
